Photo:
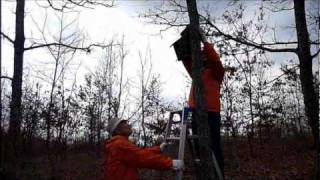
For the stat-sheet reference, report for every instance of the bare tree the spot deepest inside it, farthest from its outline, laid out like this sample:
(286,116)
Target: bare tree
(19,49)
(56,115)
(1,136)
(86,94)
(174,14)
(62,57)
(15,112)
(207,163)
(230,110)
(169,16)
(145,75)
(112,77)
(71,4)
(32,104)
(105,93)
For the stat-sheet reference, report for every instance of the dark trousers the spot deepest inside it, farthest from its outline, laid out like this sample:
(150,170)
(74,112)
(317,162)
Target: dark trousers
(214,121)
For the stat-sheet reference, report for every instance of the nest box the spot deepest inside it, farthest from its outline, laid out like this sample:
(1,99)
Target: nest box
(182,46)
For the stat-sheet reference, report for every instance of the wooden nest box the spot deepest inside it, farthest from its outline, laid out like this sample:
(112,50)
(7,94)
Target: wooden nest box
(182,45)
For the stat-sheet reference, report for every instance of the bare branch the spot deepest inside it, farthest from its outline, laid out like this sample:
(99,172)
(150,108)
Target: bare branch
(242,40)
(316,54)
(6,77)
(108,3)
(286,43)
(279,6)
(56,8)
(275,79)
(7,37)
(278,43)
(159,17)
(87,49)
(70,4)
(278,10)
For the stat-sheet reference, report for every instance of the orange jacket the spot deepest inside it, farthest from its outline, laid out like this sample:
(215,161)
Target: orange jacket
(123,159)
(212,77)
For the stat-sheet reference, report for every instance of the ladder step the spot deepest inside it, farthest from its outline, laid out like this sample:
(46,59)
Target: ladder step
(176,122)
(193,137)
(178,138)
(173,138)
(196,160)
(176,112)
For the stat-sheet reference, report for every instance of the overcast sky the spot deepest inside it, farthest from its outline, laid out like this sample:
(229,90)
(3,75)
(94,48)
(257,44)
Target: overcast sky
(107,23)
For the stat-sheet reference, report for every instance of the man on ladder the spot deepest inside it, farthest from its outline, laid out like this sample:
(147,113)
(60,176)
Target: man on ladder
(212,76)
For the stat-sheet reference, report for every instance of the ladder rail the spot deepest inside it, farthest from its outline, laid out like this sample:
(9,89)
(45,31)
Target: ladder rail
(183,134)
(168,128)
(216,165)
(185,119)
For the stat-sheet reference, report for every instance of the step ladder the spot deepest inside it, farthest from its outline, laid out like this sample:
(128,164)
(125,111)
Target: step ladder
(185,125)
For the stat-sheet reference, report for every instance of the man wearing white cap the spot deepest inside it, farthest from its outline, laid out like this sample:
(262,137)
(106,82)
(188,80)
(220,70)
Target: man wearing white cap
(123,158)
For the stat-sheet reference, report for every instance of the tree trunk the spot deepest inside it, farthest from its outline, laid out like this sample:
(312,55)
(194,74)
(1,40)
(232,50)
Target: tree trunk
(311,100)
(49,119)
(207,165)
(1,139)
(15,106)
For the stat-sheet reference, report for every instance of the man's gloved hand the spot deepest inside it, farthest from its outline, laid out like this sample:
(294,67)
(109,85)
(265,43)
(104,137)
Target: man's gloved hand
(203,35)
(163,146)
(177,164)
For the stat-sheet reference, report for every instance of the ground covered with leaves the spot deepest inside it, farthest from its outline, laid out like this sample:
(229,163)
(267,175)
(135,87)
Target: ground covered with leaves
(276,158)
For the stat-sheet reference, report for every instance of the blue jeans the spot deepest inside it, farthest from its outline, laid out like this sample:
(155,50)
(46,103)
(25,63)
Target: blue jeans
(214,121)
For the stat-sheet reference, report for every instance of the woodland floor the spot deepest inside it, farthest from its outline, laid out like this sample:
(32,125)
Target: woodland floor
(275,159)
(290,158)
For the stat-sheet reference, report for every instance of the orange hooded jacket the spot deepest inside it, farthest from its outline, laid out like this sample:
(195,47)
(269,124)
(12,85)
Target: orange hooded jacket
(212,77)
(123,159)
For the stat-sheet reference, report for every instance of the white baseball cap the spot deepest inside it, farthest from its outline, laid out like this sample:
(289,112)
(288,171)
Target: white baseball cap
(113,124)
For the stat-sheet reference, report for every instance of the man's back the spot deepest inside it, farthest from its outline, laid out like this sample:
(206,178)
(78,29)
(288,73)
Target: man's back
(115,168)
(212,76)
(123,158)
